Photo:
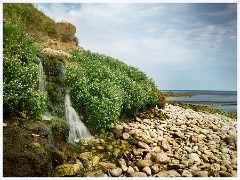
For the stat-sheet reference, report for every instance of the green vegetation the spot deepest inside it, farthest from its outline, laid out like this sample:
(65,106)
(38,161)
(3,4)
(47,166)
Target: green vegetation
(29,19)
(203,108)
(20,71)
(105,89)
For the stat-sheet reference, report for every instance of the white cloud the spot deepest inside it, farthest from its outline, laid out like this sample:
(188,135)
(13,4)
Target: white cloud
(148,36)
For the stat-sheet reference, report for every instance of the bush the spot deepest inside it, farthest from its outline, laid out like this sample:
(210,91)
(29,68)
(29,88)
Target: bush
(161,100)
(105,89)
(20,75)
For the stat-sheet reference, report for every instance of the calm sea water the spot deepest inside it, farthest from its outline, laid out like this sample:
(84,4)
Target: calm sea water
(223,100)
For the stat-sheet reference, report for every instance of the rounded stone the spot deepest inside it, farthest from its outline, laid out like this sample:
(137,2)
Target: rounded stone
(186,173)
(116,172)
(147,171)
(143,163)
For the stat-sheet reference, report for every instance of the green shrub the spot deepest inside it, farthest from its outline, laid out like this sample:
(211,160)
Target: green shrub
(20,75)
(161,100)
(105,89)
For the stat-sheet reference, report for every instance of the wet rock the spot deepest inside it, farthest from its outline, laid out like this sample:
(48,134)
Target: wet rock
(66,170)
(57,158)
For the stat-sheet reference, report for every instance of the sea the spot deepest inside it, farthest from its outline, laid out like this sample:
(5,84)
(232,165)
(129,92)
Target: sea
(222,100)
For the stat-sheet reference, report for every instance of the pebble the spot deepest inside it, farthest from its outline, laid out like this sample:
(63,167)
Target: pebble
(188,142)
(116,172)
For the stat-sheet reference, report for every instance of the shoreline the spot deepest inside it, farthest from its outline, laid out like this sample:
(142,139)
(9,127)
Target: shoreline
(170,142)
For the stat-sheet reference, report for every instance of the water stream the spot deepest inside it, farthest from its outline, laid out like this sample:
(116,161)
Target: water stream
(51,75)
(77,128)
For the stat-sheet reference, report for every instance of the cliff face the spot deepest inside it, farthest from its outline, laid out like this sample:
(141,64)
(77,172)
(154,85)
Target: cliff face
(64,38)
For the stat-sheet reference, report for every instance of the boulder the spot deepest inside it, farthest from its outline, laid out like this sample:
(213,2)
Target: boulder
(66,170)
(58,54)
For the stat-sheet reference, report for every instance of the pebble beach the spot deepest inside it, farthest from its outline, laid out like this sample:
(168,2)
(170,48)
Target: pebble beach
(187,144)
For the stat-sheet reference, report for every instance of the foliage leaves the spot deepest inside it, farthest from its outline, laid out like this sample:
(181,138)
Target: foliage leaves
(20,71)
(105,89)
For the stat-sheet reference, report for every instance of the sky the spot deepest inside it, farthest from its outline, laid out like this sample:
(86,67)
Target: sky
(181,46)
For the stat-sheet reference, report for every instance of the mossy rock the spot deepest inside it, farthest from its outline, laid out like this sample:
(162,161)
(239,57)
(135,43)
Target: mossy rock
(57,158)
(24,161)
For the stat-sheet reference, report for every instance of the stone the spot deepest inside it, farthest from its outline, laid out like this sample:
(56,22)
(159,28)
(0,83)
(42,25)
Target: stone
(225,174)
(230,140)
(95,160)
(143,145)
(125,135)
(34,145)
(116,172)
(195,157)
(165,145)
(58,54)
(65,27)
(153,134)
(161,158)
(204,131)
(179,135)
(107,165)
(201,137)
(215,167)
(224,150)
(143,163)
(96,174)
(202,174)
(170,173)
(137,152)
(57,158)
(186,173)
(143,127)
(147,170)
(138,174)
(66,170)
(188,149)
(130,170)
(155,168)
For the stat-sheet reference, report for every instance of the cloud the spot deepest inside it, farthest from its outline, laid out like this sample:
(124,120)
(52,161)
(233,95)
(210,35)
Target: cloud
(153,37)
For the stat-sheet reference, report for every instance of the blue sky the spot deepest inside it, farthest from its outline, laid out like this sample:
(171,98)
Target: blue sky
(179,45)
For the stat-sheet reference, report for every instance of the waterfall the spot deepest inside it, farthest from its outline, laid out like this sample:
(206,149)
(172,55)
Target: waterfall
(41,76)
(77,128)
(42,88)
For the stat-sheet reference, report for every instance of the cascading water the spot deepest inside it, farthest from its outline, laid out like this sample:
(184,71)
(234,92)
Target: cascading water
(42,88)
(77,128)
(51,74)
(41,76)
